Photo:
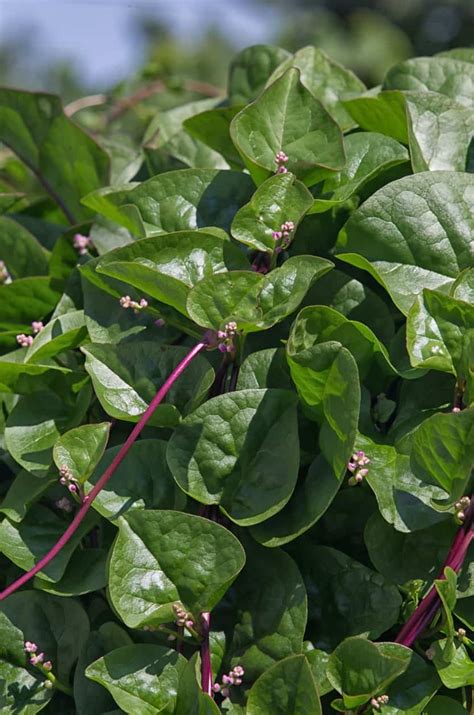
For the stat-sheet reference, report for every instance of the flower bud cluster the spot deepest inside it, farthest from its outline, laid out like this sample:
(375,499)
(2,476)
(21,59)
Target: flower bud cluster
(4,274)
(67,478)
(127,302)
(358,467)
(183,618)
(284,236)
(37,659)
(26,340)
(378,702)
(234,677)
(81,243)
(460,508)
(281,159)
(227,337)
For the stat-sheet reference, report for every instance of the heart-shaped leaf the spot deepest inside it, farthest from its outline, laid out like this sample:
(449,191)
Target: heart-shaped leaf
(288,686)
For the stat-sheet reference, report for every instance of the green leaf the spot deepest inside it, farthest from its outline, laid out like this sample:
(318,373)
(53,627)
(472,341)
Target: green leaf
(443,451)
(25,378)
(327,80)
(192,560)
(384,113)
(458,671)
(254,301)
(141,678)
(387,235)
(65,332)
(176,201)
(359,669)
(191,700)
(310,500)
(167,267)
(141,481)
(318,662)
(212,127)
(268,622)
(27,542)
(23,492)
(440,131)
(25,300)
(81,448)
(345,598)
(240,451)
(440,705)
(85,573)
(250,70)
(127,376)
(279,199)
(288,686)
(8,201)
(59,626)
(440,335)
(20,250)
(264,368)
(404,499)
(445,75)
(286,117)
(410,692)
(64,158)
(402,557)
(33,427)
(368,155)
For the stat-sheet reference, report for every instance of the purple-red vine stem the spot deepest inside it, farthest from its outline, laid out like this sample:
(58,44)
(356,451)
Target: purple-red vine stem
(426,610)
(89,498)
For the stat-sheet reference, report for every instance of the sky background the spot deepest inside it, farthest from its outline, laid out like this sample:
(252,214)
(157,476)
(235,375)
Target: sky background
(96,34)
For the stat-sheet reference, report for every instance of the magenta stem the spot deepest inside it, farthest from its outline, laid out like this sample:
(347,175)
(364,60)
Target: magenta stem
(206,667)
(426,610)
(89,498)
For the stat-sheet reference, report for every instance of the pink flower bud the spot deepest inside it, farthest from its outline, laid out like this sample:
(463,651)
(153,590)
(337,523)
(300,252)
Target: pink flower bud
(282,170)
(37,326)
(24,340)
(189,624)
(227,679)
(48,665)
(72,488)
(456,409)
(30,647)
(216,687)
(225,692)
(160,323)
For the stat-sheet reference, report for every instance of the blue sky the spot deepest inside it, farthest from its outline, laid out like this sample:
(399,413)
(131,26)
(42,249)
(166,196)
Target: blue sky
(96,33)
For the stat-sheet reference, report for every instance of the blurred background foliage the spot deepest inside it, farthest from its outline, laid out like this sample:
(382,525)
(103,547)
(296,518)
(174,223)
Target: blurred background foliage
(367,36)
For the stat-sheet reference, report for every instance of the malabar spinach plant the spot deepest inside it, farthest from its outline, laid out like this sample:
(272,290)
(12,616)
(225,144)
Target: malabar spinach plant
(236,388)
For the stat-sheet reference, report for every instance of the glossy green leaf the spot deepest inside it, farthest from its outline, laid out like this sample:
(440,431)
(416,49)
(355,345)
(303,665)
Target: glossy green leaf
(386,236)
(167,267)
(310,500)
(65,159)
(212,127)
(359,669)
(141,678)
(451,77)
(85,573)
(25,543)
(250,70)
(372,606)
(440,131)
(230,452)
(327,80)
(262,636)
(175,201)
(254,301)
(441,705)
(24,491)
(384,113)
(191,699)
(279,199)
(411,691)
(443,450)
(288,686)
(81,448)
(59,626)
(404,498)
(141,481)
(127,376)
(33,427)
(401,557)
(264,368)
(287,117)
(190,560)
(25,300)
(458,671)
(368,155)
(25,378)
(20,251)
(440,335)
(65,332)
